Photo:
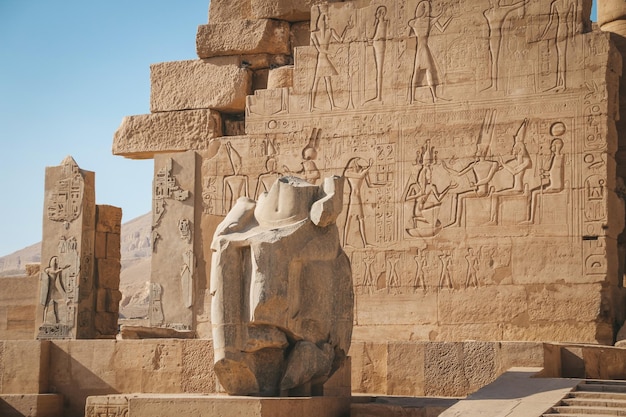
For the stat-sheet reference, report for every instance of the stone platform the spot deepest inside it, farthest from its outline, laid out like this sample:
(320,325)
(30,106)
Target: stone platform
(164,405)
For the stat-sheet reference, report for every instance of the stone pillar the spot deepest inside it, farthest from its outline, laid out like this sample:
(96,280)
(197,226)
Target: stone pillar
(173,276)
(66,297)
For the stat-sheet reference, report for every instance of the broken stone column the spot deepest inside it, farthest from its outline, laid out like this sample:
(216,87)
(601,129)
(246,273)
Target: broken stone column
(282,290)
(67,299)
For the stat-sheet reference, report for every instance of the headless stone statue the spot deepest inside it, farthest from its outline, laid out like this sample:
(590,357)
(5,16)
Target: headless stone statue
(282,290)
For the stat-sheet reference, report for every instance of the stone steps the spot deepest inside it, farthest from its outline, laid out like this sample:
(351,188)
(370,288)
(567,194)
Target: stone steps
(593,398)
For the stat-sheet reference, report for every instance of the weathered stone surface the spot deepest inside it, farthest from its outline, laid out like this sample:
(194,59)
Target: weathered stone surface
(143,136)
(221,11)
(31,405)
(280,77)
(18,306)
(291,10)
(24,366)
(109,219)
(284,251)
(199,84)
(262,36)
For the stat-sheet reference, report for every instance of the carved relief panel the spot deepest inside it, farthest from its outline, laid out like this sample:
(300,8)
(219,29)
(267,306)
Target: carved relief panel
(66,296)
(173,276)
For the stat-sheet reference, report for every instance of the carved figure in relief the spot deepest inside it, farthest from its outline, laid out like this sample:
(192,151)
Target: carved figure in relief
(368,276)
(356,172)
(445,278)
(379,44)
(267,178)
(187,278)
(481,169)
(552,175)
(425,195)
(53,293)
(393,276)
(420,264)
(424,62)
(308,170)
(496,14)
(517,167)
(321,37)
(562,15)
(471,278)
(235,185)
(282,307)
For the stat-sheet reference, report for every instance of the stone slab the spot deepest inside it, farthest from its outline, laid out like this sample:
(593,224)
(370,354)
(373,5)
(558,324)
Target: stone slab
(223,406)
(218,84)
(18,304)
(143,136)
(243,37)
(31,405)
(515,394)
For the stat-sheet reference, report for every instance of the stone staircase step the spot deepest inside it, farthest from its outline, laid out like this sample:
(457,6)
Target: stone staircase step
(603,386)
(599,395)
(594,402)
(588,411)
(574,415)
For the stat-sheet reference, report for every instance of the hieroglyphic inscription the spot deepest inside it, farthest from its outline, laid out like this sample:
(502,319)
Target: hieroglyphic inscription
(65,203)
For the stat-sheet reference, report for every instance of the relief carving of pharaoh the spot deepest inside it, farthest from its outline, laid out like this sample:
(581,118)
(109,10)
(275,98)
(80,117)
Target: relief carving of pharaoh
(282,305)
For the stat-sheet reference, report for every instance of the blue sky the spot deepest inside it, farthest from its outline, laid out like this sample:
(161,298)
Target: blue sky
(69,71)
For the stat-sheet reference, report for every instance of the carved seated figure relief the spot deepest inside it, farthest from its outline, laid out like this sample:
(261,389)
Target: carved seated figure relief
(282,291)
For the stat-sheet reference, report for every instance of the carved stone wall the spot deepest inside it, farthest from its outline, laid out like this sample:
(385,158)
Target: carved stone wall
(478,140)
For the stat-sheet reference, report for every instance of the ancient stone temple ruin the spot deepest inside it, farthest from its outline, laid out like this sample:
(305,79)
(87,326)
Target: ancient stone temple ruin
(480,145)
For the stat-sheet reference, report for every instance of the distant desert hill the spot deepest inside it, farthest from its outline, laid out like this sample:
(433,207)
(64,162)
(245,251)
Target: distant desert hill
(135,277)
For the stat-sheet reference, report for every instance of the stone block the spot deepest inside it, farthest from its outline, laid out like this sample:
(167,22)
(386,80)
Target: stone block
(215,83)
(262,36)
(24,366)
(444,371)
(197,367)
(405,369)
(290,10)
(300,35)
(114,246)
(108,219)
(369,367)
(106,325)
(228,10)
(281,77)
(107,405)
(21,318)
(31,405)
(558,302)
(260,79)
(108,273)
(143,136)
(100,247)
(32,269)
